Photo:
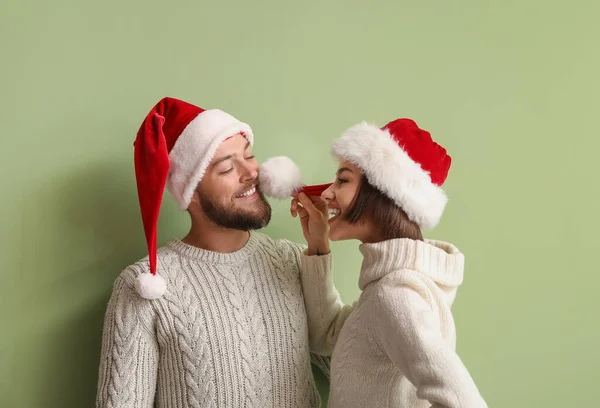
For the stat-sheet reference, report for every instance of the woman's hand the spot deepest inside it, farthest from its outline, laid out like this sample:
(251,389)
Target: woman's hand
(314,218)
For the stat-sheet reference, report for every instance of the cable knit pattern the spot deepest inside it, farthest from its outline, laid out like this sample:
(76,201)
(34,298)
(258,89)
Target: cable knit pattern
(247,285)
(290,280)
(122,341)
(123,364)
(231,331)
(241,316)
(192,343)
(323,362)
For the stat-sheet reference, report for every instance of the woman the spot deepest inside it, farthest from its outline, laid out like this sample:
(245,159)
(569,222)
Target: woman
(395,347)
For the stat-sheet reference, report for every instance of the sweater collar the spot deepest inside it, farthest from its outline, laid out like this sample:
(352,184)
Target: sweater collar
(439,260)
(212,257)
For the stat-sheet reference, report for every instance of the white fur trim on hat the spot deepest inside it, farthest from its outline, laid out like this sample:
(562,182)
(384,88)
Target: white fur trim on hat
(195,148)
(391,170)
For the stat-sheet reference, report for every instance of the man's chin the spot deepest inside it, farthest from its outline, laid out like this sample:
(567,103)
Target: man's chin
(254,218)
(249,216)
(258,220)
(253,223)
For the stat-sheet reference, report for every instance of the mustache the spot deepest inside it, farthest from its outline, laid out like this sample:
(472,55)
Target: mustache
(247,186)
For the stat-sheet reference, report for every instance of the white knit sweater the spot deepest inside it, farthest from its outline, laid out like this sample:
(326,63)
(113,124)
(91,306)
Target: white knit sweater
(231,331)
(396,346)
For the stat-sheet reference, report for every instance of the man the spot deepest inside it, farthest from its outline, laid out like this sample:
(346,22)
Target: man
(216,319)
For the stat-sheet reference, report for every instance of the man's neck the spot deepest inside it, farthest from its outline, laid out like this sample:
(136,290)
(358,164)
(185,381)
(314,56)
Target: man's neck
(216,239)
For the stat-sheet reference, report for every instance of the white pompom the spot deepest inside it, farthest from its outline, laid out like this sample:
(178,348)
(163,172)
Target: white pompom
(150,286)
(279,177)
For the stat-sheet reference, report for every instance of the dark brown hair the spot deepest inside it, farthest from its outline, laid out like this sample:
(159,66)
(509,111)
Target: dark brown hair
(391,220)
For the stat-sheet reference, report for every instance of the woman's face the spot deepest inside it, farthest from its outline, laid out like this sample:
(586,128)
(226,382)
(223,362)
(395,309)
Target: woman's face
(340,196)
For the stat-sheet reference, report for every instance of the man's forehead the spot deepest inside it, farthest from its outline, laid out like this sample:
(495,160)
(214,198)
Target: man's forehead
(231,147)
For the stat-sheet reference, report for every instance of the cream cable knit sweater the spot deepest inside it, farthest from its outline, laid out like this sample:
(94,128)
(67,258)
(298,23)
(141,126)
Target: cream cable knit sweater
(230,332)
(396,348)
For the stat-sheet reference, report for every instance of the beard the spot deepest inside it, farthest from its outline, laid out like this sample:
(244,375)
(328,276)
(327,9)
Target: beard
(228,215)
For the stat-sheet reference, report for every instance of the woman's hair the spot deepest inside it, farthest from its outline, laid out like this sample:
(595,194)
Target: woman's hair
(391,220)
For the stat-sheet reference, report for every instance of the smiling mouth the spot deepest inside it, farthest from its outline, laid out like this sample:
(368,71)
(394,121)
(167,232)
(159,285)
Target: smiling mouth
(334,213)
(248,193)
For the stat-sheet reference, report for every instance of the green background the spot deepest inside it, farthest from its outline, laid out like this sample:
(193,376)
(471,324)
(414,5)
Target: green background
(510,88)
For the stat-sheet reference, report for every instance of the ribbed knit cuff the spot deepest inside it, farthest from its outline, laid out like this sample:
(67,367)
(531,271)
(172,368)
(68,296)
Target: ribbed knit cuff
(316,271)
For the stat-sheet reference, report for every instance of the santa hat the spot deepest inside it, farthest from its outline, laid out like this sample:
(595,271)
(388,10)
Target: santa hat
(403,162)
(174,146)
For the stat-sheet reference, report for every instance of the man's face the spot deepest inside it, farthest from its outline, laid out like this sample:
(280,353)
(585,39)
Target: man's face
(228,193)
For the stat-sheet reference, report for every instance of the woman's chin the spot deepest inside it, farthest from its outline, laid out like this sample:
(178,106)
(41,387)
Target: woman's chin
(337,235)
(333,234)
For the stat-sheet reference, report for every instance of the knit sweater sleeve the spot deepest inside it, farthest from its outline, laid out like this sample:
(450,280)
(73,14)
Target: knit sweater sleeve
(325,310)
(408,331)
(129,356)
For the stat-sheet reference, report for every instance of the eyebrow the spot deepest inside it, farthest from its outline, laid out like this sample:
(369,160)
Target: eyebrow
(343,169)
(222,159)
(230,156)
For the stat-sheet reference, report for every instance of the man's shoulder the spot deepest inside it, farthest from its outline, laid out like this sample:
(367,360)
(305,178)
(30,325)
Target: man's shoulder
(165,256)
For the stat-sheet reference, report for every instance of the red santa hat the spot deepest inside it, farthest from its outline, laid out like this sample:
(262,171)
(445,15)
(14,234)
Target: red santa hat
(403,162)
(174,146)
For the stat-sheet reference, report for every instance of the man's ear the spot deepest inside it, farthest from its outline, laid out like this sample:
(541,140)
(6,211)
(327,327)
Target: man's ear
(195,201)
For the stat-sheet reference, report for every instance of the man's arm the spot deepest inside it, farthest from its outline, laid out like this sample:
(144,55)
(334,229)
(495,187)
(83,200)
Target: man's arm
(129,357)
